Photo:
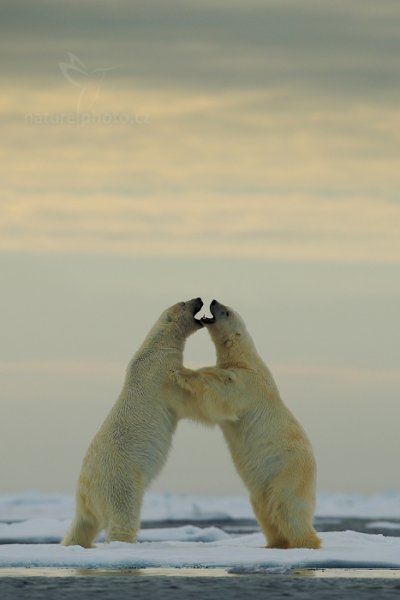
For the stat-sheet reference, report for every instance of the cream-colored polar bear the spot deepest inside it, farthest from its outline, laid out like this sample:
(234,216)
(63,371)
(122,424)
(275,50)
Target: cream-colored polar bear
(133,443)
(270,449)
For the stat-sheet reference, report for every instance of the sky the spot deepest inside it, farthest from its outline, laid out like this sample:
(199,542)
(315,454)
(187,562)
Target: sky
(153,152)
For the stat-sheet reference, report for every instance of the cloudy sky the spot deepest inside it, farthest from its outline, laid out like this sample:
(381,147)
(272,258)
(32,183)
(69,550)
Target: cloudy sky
(157,151)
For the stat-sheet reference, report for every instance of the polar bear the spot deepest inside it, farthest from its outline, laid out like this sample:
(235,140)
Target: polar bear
(271,451)
(133,443)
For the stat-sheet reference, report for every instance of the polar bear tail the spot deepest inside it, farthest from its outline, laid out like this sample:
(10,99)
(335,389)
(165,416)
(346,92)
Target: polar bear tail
(83,530)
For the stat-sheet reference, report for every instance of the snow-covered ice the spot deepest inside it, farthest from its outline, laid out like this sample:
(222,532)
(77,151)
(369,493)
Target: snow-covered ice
(384,505)
(383,525)
(161,507)
(193,547)
(30,522)
(36,531)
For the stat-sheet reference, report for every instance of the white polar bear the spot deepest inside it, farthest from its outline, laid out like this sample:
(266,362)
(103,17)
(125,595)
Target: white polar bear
(133,443)
(270,449)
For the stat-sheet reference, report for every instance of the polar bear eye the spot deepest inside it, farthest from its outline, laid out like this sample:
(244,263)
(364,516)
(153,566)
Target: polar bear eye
(227,313)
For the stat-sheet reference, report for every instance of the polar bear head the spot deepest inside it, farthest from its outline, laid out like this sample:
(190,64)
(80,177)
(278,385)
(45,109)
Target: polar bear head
(182,316)
(175,324)
(228,332)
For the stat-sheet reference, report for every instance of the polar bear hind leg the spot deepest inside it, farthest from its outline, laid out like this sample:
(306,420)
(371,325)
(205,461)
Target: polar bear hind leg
(274,538)
(283,526)
(125,526)
(84,528)
(124,519)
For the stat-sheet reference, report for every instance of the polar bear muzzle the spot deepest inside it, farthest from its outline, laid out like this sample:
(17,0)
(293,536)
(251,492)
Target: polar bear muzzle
(197,304)
(217,310)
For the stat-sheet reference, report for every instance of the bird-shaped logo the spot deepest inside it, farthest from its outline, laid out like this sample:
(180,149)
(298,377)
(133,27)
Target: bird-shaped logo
(89,81)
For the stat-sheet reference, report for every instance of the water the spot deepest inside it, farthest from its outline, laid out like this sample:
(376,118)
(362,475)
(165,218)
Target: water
(24,572)
(166,587)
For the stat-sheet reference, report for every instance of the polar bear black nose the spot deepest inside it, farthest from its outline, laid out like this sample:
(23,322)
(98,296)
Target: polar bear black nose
(213,302)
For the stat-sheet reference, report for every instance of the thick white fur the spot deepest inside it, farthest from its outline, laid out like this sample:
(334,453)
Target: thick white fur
(133,443)
(270,449)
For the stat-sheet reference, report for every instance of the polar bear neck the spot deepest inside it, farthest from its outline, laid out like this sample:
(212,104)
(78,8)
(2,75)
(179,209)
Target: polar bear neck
(144,360)
(159,342)
(237,351)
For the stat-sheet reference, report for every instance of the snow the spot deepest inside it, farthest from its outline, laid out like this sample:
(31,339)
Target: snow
(32,523)
(161,507)
(50,531)
(385,505)
(185,547)
(383,525)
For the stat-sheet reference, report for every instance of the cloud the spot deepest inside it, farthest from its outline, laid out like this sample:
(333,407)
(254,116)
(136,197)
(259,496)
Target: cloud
(260,227)
(272,130)
(343,48)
